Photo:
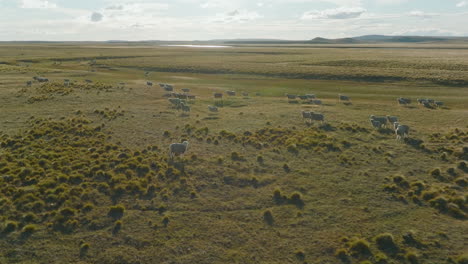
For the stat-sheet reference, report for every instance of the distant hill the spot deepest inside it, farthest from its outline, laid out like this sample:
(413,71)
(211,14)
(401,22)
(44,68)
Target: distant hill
(354,40)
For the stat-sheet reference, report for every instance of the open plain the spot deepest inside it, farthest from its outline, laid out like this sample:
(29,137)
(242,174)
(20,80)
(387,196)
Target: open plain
(85,175)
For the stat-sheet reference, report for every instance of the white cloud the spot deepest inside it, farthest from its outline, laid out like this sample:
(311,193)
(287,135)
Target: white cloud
(421,14)
(38,4)
(391,2)
(462,4)
(236,16)
(337,13)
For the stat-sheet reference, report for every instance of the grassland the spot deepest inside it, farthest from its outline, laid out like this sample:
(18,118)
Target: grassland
(85,176)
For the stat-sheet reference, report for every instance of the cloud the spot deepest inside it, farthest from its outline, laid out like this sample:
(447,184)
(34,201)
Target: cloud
(37,4)
(421,14)
(337,13)
(462,4)
(391,2)
(236,16)
(96,17)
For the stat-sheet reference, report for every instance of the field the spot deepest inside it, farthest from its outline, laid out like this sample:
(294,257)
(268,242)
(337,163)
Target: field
(85,175)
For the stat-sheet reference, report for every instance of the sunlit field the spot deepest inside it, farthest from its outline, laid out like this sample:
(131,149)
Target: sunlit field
(85,173)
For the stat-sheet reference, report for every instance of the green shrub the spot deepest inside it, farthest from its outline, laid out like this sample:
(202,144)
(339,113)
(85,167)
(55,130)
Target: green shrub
(29,229)
(268,217)
(116,211)
(342,254)
(360,247)
(296,199)
(386,242)
(165,221)
(300,255)
(412,257)
(462,259)
(10,227)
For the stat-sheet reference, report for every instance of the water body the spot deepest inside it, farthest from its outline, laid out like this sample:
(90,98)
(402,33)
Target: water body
(198,46)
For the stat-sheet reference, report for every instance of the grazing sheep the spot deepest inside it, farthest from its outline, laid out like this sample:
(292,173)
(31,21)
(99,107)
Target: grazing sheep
(311,96)
(168,88)
(381,119)
(303,97)
(402,131)
(395,125)
(316,102)
(306,115)
(421,101)
(403,101)
(185,108)
(218,95)
(28,83)
(186,90)
(291,96)
(213,108)
(191,97)
(317,117)
(149,83)
(439,103)
(175,101)
(176,149)
(376,124)
(231,93)
(245,94)
(392,119)
(431,101)
(343,97)
(162,85)
(41,79)
(427,104)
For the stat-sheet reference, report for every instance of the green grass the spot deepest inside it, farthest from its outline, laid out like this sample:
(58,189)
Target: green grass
(89,163)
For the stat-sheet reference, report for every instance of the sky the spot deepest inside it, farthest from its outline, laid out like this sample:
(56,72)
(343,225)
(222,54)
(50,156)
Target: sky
(101,20)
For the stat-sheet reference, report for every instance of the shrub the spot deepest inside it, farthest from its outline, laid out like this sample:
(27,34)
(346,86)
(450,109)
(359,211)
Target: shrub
(10,227)
(29,229)
(260,159)
(381,258)
(462,259)
(412,258)
(360,247)
(436,172)
(342,254)
(386,242)
(116,211)
(165,221)
(117,227)
(286,168)
(300,255)
(268,217)
(296,199)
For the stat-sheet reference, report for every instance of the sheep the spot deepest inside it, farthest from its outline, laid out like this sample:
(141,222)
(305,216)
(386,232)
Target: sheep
(149,83)
(421,101)
(376,123)
(306,115)
(317,116)
(218,95)
(303,97)
(402,131)
(245,94)
(28,83)
(403,101)
(381,119)
(176,149)
(191,97)
(316,102)
(185,108)
(291,96)
(175,101)
(168,88)
(395,125)
(439,103)
(186,90)
(41,79)
(311,96)
(343,97)
(212,108)
(392,119)
(231,93)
